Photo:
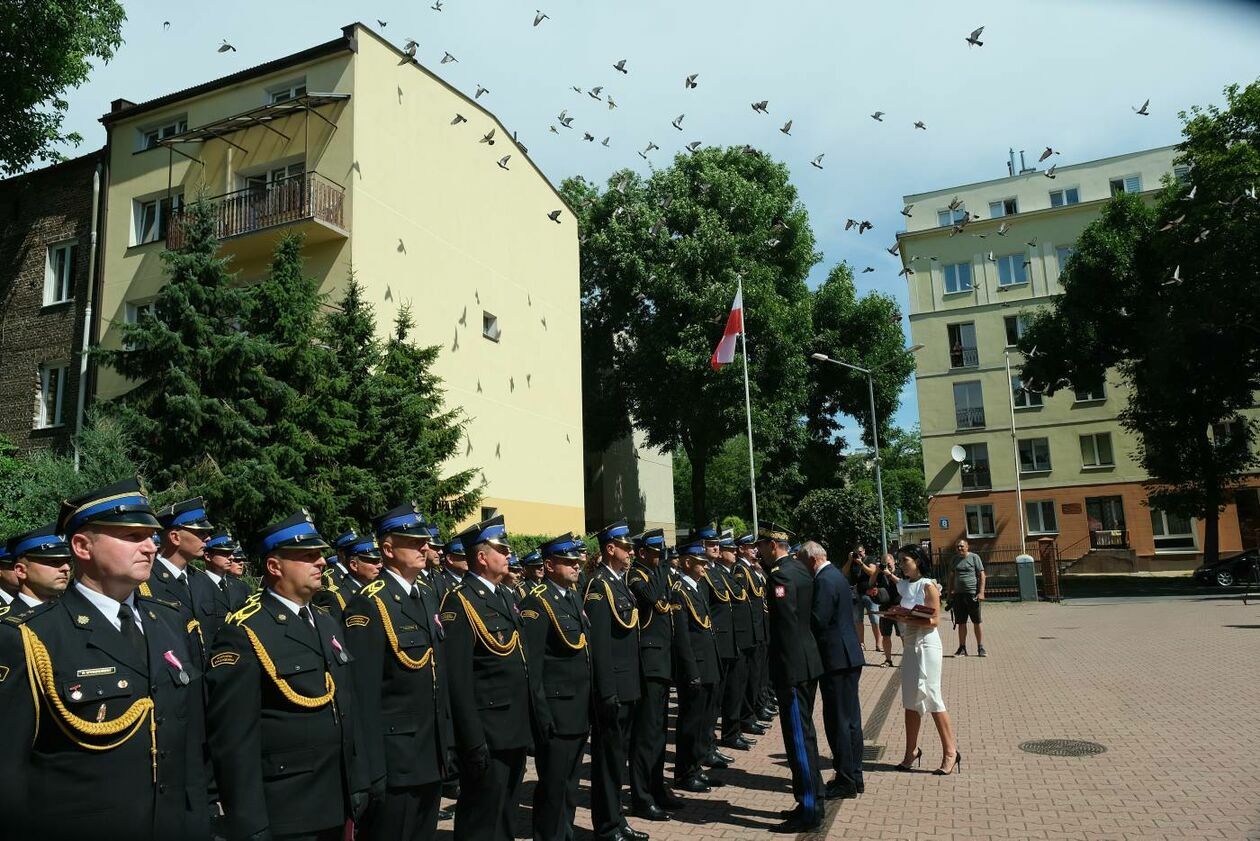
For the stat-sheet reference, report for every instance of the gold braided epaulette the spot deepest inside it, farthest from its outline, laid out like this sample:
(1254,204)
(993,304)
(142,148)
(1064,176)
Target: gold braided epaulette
(370,590)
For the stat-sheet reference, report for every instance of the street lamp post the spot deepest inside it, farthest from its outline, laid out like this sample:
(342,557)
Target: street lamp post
(879,475)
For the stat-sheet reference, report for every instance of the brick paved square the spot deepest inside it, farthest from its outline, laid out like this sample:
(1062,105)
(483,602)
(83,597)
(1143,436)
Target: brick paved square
(1168,686)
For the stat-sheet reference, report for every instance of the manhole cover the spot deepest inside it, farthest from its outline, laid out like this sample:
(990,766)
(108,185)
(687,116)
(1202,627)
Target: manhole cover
(1062,747)
(872,753)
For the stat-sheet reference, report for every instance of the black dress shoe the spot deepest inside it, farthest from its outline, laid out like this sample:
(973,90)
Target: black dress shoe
(712,782)
(723,756)
(694,785)
(787,814)
(861,786)
(765,715)
(650,812)
(670,802)
(445,814)
(629,833)
(840,790)
(754,730)
(738,743)
(715,761)
(799,824)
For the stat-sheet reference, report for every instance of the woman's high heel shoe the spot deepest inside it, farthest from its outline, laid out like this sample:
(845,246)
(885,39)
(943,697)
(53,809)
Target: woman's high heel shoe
(957,766)
(917,759)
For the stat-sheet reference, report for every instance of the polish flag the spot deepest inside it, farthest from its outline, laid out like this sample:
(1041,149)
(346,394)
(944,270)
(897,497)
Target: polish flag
(724,353)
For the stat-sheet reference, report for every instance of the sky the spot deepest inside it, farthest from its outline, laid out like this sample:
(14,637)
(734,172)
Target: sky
(1063,73)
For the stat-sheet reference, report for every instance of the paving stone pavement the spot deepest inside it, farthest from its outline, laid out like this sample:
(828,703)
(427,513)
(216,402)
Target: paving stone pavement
(1168,686)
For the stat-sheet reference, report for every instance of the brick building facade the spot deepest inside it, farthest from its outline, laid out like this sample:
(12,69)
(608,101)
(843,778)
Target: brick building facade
(46,244)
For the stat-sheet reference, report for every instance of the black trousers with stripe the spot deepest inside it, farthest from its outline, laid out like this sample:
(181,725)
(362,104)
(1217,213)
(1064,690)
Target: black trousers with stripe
(800,742)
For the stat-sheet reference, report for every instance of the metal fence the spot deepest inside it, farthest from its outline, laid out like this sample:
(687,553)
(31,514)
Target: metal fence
(1001,572)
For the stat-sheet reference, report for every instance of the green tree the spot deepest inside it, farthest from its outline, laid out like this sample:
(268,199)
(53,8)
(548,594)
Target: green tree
(48,46)
(901,455)
(1164,293)
(660,264)
(838,518)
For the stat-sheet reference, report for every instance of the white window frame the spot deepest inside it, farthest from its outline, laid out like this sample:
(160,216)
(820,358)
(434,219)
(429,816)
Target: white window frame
(1041,507)
(1021,397)
(1094,394)
(978,510)
(1037,466)
(1094,461)
(135,309)
(956,215)
(1018,271)
(1021,327)
(50,372)
(978,404)
(1001,207)
(971,463)
(1160,531)
(490,328)
(1064,198)
(286,91)
(956,269)
(151,134)
(59,279)
(161,217)
(1129,184)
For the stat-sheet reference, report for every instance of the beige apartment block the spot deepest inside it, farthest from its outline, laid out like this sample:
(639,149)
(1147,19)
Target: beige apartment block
(353,144)
(971,291)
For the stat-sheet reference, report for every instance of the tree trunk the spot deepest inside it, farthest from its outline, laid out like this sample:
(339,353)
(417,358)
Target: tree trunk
(699,509)
(1211,531)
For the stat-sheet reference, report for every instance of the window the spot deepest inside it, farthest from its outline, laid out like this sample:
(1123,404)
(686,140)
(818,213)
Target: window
(1034,455)
(1062,254)
(1022,397)
(1012,270)
(1172,532)
(286,92)
(1223,433)
(975,468)
(59,273)
(1128,184)
(51,397)
(274,176)
(1181,174)
(969,404)
(1005,207)
(490,327)
(137,310)
(487,512)
(947,217)
(1040,518)
(980,521)
(962,345)
(1016,327)
(149,137)
(1096,450)
(957,277)
(1071,195)
(1090,393)
(153,216)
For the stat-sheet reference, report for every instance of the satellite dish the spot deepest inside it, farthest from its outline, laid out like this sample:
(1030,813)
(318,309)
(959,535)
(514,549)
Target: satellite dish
(957,453)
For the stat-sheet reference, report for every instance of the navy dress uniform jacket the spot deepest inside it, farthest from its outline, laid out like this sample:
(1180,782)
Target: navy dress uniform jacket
(165,587)
(614,636)
(741,607)
(698,657)
(832,621)
(754,581)
(558,644)
(718,597)
(653,595)
(127,792)
(793,652)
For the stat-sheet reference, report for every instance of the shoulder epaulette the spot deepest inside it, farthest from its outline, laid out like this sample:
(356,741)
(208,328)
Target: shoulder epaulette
(149,597)
(538,590)
(8,616)
(370,590)
(774,570)
(145,589)
(320,607)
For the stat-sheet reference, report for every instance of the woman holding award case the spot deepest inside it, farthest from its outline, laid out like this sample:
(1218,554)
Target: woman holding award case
(917,615)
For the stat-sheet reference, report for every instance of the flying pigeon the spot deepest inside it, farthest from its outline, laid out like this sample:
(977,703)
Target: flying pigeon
(553,129)
(648,149)
(621,66)
(954,204)
(920,124)
(1143,110)
(410,48)
(166,24)
(604,142)
(690,81)
(225,47)
(1002,229)
(447,58)
(762,106)
(864,226)
(906,272)
(693,146)
(905,211)
(850,223)
(488,137)
(554,216)
(1172,223)
(503,161)
(593,93)
(382,23)
(480,91)
(539,17)
(893,249)
(587,136)
(817,162)
(787,128)
(565,119)
(459,118)
(611,104)
(878,116)
(677,123)
(1046,154)
(973,40)
(867,270)
(1049,173)
(576,89)
(437,5)
(1176,277)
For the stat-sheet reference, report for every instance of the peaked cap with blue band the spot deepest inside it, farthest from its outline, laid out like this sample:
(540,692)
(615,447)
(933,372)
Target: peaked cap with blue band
(694,548)
(345,539)
(746,539)
(189,514)
(705,532)
(222,541)
(435,537)
(651,539)
(618,532)
(514,562)
(491,531)
(532,559)
(6,560)
(402,519)
(43,542)
(566,546)
(120,504)
(364,547)
(455,546)
(296,531)
(727,540)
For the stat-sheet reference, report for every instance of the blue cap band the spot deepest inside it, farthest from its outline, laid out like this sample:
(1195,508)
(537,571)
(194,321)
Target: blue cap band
(189,516)
(38,541)
(398,522)
(300,530)
(85,514)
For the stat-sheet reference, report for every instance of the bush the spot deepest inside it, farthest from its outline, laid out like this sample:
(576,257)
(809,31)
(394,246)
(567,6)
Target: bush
(735,524)
(838,518)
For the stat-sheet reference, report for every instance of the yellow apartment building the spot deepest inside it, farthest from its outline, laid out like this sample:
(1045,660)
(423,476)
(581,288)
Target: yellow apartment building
(358,147)
(971,291)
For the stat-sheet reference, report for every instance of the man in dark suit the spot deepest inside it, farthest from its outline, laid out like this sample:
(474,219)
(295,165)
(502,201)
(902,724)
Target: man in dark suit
(614,636)
(174,578)
(218,591)
(698,671)
(363,559)
(400,677)
(795,666)
(104,719)
(756,714)
(842,658)
(489,686)
(556,645)
(283,720)
(727,571)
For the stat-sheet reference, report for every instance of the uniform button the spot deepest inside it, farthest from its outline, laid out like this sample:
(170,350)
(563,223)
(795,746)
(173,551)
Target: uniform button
(162,788)
(282,766)
(161,720)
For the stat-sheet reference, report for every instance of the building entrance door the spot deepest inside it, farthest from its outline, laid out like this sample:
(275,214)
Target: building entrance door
(1107,528)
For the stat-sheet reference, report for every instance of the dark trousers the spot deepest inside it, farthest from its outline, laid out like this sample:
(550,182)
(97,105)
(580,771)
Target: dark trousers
(754,665)
(405,814)
(842,721)
(796,717)
(716,703)
(694,721)
(335,833)
(608,764)
(559,762)
(647,743)
(485,805)
(733,695)
(767,687)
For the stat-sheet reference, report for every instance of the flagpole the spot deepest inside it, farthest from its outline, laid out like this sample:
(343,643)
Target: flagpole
(743,343)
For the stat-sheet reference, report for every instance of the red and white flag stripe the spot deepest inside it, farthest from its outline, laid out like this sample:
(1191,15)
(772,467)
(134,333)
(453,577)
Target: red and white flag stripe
(724,353)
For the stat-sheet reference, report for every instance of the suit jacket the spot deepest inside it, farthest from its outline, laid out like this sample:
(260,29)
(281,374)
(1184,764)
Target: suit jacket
(717,595)
(741,607)
(71,791)
(338,590)
(653,595)
(489,680)
(557,645)
(793,653)
(698,655)
(165,587)
(212,604)
(832,621)
(614,636)
(399,671)
(754,579)
(283,733)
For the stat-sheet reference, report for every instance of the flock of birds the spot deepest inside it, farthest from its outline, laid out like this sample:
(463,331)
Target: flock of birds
(564,122)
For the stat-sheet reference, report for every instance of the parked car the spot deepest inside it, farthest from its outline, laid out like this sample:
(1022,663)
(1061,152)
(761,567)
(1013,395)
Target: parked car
(1226,572)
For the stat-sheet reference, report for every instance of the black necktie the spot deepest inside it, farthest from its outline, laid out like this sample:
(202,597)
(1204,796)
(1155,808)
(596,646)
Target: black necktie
(223,585)
(503,596)
(415,592)
(131,632)
(305,613)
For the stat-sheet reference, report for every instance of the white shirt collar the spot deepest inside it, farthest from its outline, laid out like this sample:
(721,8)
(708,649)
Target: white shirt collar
(564,591)
(459,576)
(175,571)
(402,582)
(5,598)
(293,606)
(494,588)
(30,601)
(215,578)
(821,567)
(691,582)
(109,607)
(616,575)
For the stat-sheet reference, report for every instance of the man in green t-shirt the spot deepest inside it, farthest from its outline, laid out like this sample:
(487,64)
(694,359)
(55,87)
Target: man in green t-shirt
(966,588)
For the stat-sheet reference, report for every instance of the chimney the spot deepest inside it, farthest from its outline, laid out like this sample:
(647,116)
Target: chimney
(1010,163)
(1023,166)
(120,105)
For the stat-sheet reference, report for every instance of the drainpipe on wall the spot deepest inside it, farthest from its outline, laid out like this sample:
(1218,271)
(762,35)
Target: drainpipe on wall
(81,406)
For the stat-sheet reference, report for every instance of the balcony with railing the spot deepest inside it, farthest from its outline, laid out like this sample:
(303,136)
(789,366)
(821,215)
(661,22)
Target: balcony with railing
(969,418)
(976,477)
(1109,539)
(961,356)
(307,202)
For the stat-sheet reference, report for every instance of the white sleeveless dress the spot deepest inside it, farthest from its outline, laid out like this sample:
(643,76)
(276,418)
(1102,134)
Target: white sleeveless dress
(921,654)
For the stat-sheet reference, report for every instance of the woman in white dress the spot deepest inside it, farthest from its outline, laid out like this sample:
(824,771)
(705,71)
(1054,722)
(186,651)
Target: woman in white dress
(921,662)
